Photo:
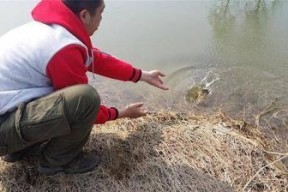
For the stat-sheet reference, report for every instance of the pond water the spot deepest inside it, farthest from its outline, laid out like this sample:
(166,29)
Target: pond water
(236,49)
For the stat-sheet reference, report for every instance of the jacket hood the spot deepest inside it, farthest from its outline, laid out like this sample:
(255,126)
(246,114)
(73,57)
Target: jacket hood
(56,12)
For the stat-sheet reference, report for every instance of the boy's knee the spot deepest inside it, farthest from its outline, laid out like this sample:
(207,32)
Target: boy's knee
(88,93)
(82,102)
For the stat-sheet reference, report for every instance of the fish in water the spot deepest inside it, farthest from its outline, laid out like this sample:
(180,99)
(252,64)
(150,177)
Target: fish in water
(196,93)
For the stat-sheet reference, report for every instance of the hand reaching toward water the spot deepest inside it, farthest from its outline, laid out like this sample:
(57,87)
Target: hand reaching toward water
(134,110)
(154,78)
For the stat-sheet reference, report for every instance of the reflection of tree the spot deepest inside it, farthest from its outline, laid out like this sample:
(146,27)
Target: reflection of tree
(244,36)
(221,19)
(241,27)
(258,5)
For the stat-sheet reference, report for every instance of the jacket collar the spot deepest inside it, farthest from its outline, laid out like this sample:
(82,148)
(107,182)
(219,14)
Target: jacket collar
(56,12)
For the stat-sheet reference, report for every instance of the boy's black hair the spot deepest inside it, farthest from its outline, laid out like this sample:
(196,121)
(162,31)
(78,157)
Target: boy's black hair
(78,5)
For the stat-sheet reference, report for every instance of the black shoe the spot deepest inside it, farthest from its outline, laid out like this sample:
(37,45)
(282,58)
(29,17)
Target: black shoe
(81,164)
(19,155)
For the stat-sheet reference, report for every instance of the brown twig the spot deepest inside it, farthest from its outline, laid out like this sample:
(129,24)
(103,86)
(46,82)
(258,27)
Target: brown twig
(277,160)
(266,111)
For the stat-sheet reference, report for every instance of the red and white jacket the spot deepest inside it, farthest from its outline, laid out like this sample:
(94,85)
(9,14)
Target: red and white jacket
(52,52)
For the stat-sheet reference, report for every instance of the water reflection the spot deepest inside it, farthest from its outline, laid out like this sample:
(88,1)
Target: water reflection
(243,46)
(245,60)
(241,29)
(250,54)
(241,54)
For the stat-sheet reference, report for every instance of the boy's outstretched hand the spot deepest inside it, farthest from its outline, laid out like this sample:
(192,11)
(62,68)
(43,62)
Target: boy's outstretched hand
(134,110)
(154,78)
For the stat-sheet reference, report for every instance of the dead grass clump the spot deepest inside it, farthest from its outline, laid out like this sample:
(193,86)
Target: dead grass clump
(166,152)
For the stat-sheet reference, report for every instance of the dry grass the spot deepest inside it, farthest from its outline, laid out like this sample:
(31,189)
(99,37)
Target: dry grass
(166,152)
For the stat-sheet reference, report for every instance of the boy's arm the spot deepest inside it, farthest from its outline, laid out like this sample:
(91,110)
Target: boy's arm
(67,68)
(112,67)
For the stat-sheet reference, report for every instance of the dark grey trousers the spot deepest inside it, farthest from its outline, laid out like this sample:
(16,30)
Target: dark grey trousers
(64,119)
